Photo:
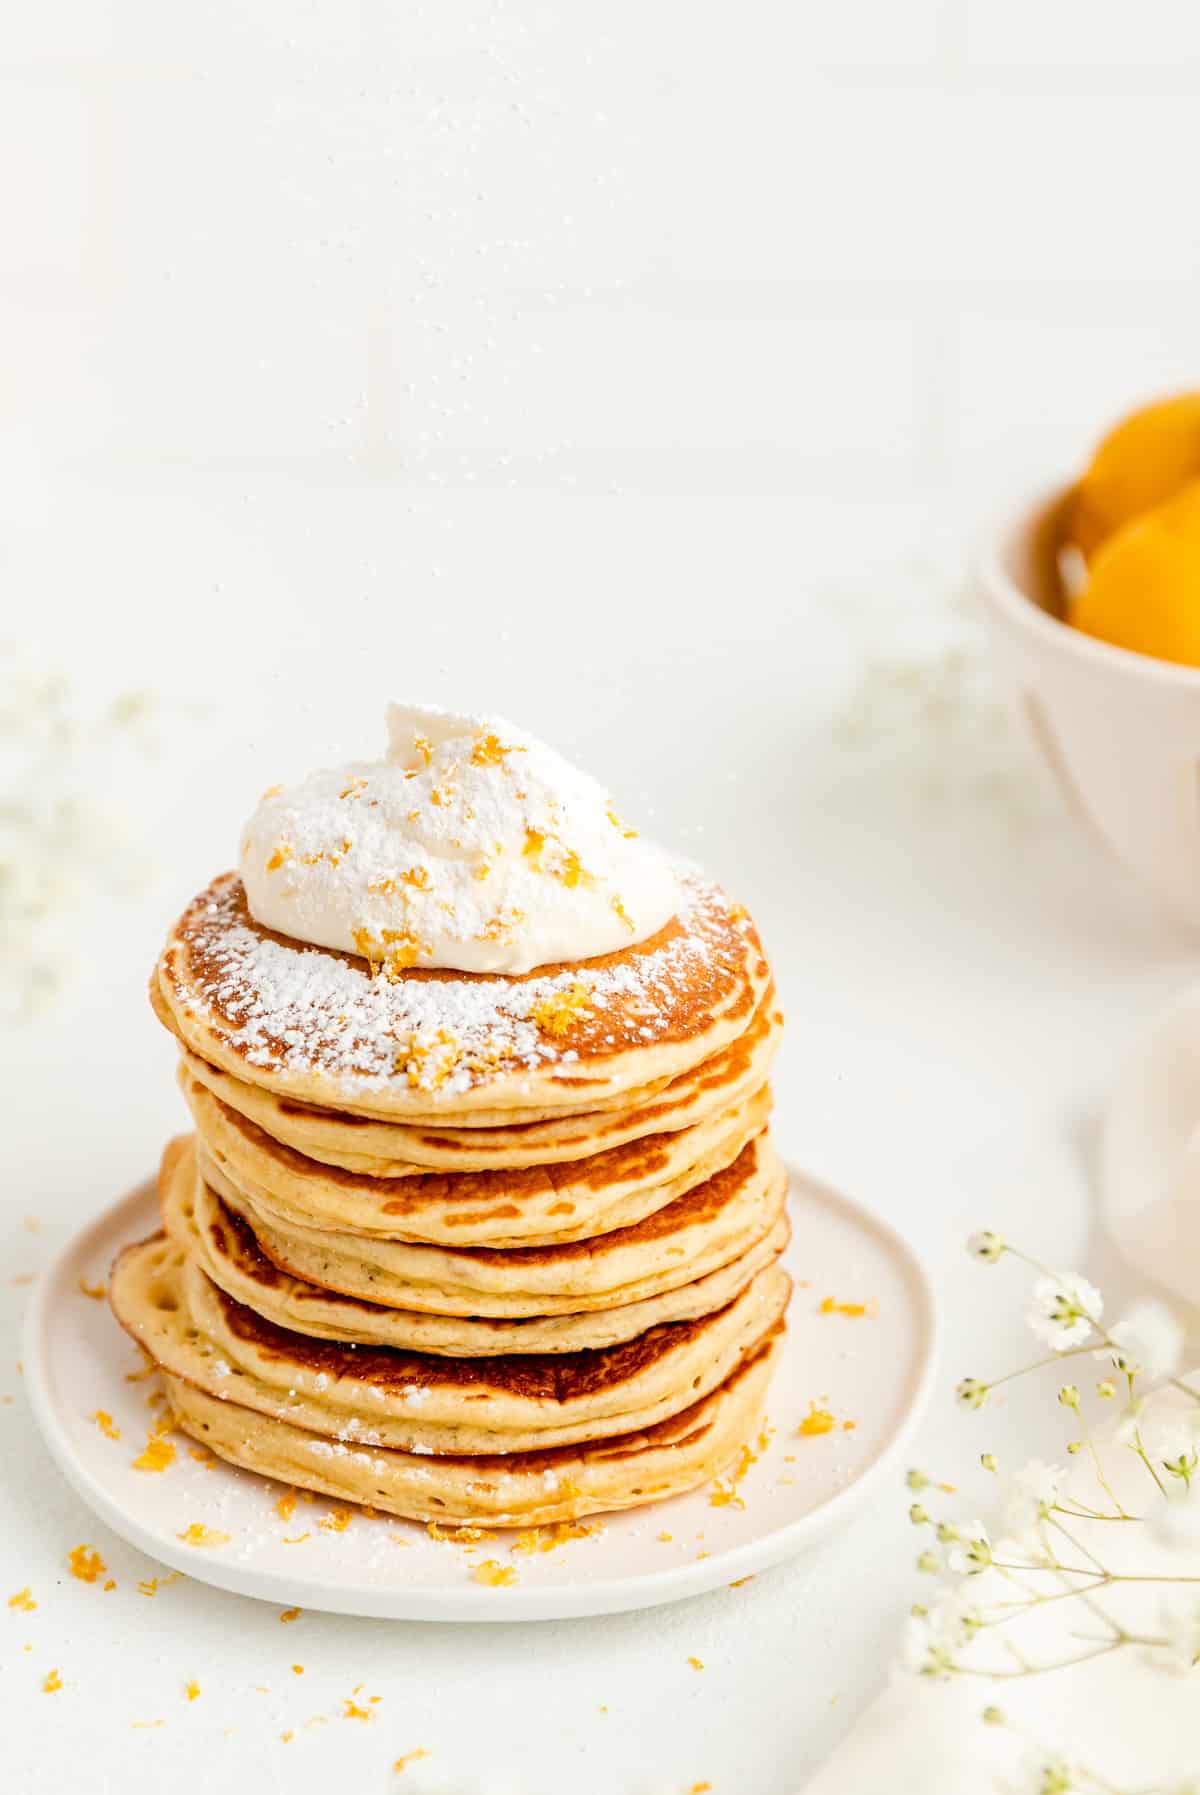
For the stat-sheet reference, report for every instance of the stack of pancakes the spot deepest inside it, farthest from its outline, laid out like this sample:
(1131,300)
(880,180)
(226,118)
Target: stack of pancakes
(468,1247)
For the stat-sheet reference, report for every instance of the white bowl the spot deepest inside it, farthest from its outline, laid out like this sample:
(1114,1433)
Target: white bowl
(1119,732)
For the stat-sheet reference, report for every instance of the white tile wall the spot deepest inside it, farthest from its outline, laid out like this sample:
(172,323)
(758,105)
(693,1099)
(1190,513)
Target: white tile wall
(779,247)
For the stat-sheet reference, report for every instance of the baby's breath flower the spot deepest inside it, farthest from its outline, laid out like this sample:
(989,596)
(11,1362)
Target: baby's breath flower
(971,1394)
(986,1246)
(930,1563)
(1034,1492)
(935,1635)
(1182,1465)
(917,1515)
(1063,1310)
(1171,1439)
(969,1549)
(1069,1396)
(993,1716)
(956,1609)
(929,1648)
(1074,1446)
(1106,1388)
(988,1461)
(1049,1776)
(1148,1342)
(916,1480)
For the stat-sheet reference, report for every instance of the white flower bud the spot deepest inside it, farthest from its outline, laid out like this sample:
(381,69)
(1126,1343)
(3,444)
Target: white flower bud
(986,1246)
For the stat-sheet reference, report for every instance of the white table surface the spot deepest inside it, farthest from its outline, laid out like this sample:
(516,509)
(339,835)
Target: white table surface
(959,973)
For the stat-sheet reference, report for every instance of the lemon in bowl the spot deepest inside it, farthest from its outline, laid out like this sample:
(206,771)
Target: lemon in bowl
(1145,460)
(1142,589)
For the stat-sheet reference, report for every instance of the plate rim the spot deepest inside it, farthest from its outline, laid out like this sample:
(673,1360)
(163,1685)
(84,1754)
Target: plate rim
(617,1595)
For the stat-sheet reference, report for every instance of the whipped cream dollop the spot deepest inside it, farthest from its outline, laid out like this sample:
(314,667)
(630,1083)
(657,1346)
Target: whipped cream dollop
(472,846)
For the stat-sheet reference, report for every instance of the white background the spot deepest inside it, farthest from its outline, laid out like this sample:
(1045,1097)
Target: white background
(636,370)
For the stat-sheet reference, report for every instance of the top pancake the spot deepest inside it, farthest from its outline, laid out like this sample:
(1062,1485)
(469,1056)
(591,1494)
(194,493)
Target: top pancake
(460,1049)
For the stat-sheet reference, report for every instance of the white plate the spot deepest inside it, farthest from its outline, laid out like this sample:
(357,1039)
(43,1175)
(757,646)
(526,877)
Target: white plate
(874,1370)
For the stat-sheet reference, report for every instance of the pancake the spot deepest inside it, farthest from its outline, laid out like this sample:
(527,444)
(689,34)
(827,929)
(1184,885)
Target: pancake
(508,1208)
(520,1490)
(414,1402)
(707,1227)
(400,1150)
(460,1048)
(224,1245)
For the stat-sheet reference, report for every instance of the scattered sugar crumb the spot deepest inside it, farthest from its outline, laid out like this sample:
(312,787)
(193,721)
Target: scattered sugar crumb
(23,1600)
(696,1663)
(52,1684)
(105,1423)
(288,1614)
(191,1689)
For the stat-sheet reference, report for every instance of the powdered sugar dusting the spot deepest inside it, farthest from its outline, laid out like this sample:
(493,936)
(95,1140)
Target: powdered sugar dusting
(282,1005)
